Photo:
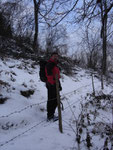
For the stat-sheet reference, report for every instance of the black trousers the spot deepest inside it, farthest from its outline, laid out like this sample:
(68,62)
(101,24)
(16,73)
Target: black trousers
(52,100)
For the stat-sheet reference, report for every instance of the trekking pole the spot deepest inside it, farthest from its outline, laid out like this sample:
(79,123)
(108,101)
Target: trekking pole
(59,107)
(93,84)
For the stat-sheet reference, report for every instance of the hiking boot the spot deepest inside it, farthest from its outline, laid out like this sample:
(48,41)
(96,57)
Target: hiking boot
(52,118)
(55,118)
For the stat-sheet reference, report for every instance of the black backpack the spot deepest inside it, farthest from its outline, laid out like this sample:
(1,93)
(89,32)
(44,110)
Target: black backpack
(42,73)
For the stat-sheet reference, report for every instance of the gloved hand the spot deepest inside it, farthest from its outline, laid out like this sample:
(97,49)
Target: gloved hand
(49,85)
(60,87)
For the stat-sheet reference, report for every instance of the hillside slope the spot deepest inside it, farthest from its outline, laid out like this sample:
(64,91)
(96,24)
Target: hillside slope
(23,98)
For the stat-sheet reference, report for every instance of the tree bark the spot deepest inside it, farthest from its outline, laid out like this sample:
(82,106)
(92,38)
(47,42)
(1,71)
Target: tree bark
(104,61)
(104,36)
(36,12)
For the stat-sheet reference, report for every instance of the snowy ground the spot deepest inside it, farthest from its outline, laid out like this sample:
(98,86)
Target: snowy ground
(23,124)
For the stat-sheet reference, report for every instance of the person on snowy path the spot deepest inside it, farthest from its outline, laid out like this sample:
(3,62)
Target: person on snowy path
(51,71)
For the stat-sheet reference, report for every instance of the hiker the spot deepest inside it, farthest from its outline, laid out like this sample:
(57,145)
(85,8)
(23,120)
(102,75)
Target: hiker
(51,70)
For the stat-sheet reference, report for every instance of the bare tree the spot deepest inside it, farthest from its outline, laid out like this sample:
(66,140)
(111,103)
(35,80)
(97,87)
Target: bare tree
(56,39)
(92,13)
(14,11)
(105,8)
(36,15)
(91,46)
(89,10)
(42,8)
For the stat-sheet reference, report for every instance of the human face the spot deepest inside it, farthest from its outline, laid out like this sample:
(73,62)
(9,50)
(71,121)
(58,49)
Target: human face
(55,57)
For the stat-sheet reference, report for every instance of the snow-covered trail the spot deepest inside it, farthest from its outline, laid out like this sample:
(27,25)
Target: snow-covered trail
(28,129)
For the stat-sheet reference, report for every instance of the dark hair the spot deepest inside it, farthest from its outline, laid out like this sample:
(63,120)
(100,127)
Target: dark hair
(54,53)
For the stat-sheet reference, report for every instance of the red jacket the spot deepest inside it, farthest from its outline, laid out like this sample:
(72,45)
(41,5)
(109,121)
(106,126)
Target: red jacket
(51,70)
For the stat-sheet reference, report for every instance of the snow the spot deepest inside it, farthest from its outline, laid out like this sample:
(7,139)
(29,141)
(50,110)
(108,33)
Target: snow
(23,124)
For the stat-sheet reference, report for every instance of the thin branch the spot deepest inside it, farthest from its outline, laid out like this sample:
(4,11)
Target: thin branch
(66,14)
(50,8)
(107,11)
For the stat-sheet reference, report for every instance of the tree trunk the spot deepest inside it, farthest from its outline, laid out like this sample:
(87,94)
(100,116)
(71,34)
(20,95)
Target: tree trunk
(105,46)
(35,41)
(104,38)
